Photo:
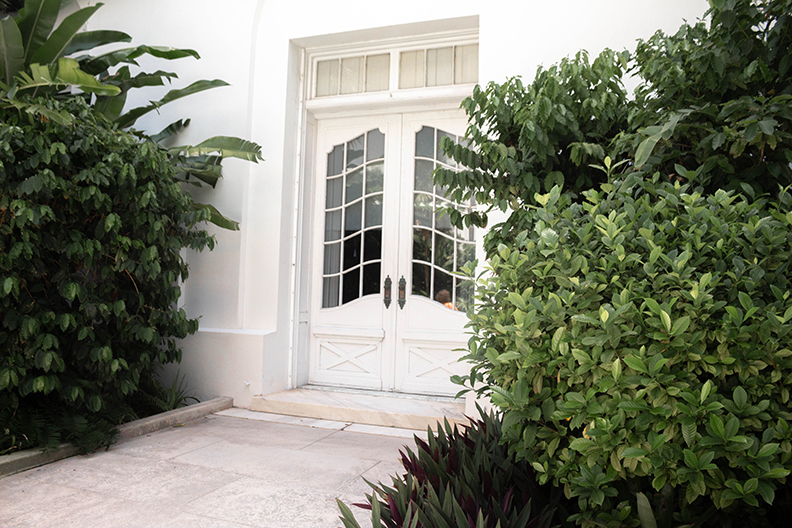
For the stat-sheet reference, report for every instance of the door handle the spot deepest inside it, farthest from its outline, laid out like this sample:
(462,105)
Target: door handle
(402,292)
(387,289)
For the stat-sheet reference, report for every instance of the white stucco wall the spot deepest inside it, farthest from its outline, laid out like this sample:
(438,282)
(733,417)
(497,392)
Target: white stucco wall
(242,289)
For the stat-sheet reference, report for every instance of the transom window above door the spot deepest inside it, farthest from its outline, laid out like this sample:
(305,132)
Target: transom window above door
(396,69)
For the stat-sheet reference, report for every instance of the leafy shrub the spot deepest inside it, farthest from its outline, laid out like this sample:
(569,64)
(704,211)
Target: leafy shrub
(460,479)
(641,341)
(91,229)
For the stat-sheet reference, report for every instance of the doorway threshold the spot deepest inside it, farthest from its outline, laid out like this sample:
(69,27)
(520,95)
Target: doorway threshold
(406,411)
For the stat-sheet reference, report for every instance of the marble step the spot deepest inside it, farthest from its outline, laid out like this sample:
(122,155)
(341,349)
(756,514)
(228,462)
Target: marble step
(363,407)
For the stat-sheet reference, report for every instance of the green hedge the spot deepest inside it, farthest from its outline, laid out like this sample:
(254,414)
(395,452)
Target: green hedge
(91,230)
(641,341)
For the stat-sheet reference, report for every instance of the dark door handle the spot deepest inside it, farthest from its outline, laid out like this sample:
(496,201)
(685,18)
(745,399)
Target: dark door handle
(402,292)
(387,288)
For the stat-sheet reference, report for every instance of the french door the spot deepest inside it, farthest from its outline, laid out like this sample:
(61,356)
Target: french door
(388,302)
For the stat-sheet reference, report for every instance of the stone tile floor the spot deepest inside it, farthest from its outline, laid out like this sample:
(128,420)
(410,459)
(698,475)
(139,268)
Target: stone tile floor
(235,468)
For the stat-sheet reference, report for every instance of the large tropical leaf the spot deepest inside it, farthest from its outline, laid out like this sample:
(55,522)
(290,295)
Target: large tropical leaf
(12,54)
(36,21)
(59,41)
(68,74)
(170,130)
(128,119)
(228,147)
(110,106)
(92,39)
(217,218)
(207,169)
(123,79)
(104,62)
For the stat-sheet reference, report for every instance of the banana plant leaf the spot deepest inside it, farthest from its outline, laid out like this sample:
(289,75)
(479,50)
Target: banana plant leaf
(170,130)
(12,53)
(101,63)
(110,106)
(216,217)
(35,21)
(92,39)
(128,119)
(68,73)
(204,168)
(228,147)
(59,40)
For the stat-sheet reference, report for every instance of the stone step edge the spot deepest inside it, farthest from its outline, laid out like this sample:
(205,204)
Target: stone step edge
(30,458)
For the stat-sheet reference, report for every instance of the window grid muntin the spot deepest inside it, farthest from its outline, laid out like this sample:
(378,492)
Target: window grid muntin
(333,296)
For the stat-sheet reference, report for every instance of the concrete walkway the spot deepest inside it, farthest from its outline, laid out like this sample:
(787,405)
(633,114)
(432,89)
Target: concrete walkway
(234,468)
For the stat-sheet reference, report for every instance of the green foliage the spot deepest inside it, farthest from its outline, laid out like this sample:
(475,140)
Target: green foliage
(723,95)
(522,139)
(642,341)
(461,479)
(34,60)
(153,398)
(91,229)
(714,107)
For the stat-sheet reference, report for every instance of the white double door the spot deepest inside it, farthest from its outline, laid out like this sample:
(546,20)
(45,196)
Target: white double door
(387,301)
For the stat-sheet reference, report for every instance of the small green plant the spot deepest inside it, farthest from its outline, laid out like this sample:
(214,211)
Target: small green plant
(153,397)
(461,478)
(642,341)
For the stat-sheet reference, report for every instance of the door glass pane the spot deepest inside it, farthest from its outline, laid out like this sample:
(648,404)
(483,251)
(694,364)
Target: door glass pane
(352,75)
(371,278)
(374,177)
(372,244)
(327,78)
(376,145)
(439,250)
(332,225)
(354,185)
(352,219)
(351,252)
(355,152)
(351,285)
(411,69)
(378,72)
(466,64)
(438,66)
(423,175)
(424,143)
(374,210)
(330,291)
(332,258)
(464,294)
(335,189)
(348,200)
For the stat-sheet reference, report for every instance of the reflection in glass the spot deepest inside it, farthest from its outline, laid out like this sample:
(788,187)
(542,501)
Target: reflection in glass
(464,294)
(371,278)
(442,281)
(332,225)
(442,220)
(355,152)
(422,210)
(335,190)
(352,221)
(421,279)
(466,252)
(374,177)
(422,245)
(354,185)
(372,244)
(351,252)
(351,285)
(335,161)
(423,175)
(444,252)
(332,258)
(441,157)
(374,210)
(330,292)
(376,145)
(424,143)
